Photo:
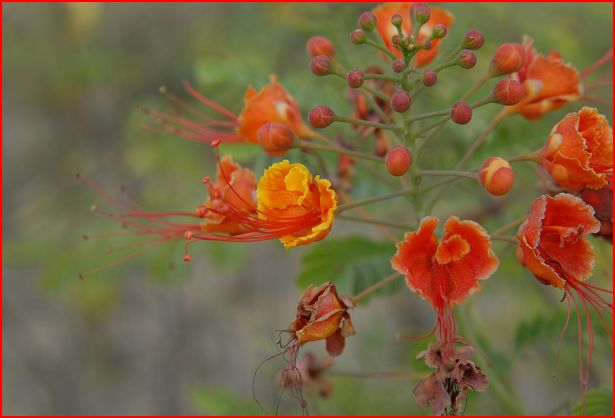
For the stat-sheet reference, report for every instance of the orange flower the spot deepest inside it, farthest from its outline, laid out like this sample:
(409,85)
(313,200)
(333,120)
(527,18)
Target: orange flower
(549,82)
(445,272)
(271,104)
(290,206)
(386,29)
(552,242)
(552,245)
(287,193)
(323,315)
(579,151)
(235,185)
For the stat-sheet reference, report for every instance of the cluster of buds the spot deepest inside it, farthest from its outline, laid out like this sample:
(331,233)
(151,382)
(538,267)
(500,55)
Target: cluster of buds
(388,138)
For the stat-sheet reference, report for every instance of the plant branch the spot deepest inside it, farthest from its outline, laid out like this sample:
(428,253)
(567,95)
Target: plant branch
(358,298)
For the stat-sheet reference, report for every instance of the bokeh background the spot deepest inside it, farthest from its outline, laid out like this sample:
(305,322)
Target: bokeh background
(158,336)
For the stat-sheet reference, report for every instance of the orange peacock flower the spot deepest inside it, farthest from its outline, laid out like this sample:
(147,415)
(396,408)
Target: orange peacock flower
(445,272)
(549,82)
(271,104)
(579,151)
(386,29)
(304,206)
(287,204)
(552,245)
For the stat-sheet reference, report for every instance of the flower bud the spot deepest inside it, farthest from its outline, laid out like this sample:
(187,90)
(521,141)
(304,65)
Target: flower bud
(466,59)
(430,77)
(321,65)
(399,65)
(396,40)
(275,138)
(321,116)
(439,31)
(358,37)
(496,176)
(355,79)
(419,12)
(460,112)
(319,45)
(398,160)
(367,21)
(507,59)
(400,101)
(508,92)
(396,20)
(427,44)
(473,39)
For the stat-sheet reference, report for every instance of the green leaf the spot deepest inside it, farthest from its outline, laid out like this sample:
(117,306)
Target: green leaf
(353,263)
(598,402)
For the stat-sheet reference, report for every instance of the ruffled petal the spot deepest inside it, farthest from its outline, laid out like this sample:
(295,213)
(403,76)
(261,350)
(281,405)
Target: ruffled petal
(476,264)
(414,259)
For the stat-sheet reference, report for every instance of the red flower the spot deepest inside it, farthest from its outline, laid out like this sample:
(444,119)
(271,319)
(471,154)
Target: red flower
(552,245)
(271,104)
(445,272)
(579,151)
(549,82)
(386,29)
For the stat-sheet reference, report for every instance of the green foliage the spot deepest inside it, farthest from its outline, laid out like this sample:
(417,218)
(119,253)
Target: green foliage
(221,401)
(599,402)
(353,263)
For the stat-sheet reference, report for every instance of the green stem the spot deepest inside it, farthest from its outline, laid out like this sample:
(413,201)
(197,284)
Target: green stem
(382,77)
(530,156)
(361,122)
(509,225)
(429,115)
(339,150)
(454,173)
(438,184)
(358,298)
(506,238)
(433,125)
(374,199)
(381,48)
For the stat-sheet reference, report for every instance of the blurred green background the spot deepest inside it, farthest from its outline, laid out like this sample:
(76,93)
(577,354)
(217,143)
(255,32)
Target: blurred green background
(157,336)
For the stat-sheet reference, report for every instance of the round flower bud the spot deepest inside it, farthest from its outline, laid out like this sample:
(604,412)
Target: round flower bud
(430,77)
(275,137)
(400,101)
(427,44)
(399,66)
(319,45)
(396,20)
(358,37)
(496,176)
(367,21)
(439,31)
(398,160)
(420,12)
(321,65)
(466,59)
(396,40)
(507,59)
(508,92)
(355,79)
(321,116)
(473,39)
(460,112)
